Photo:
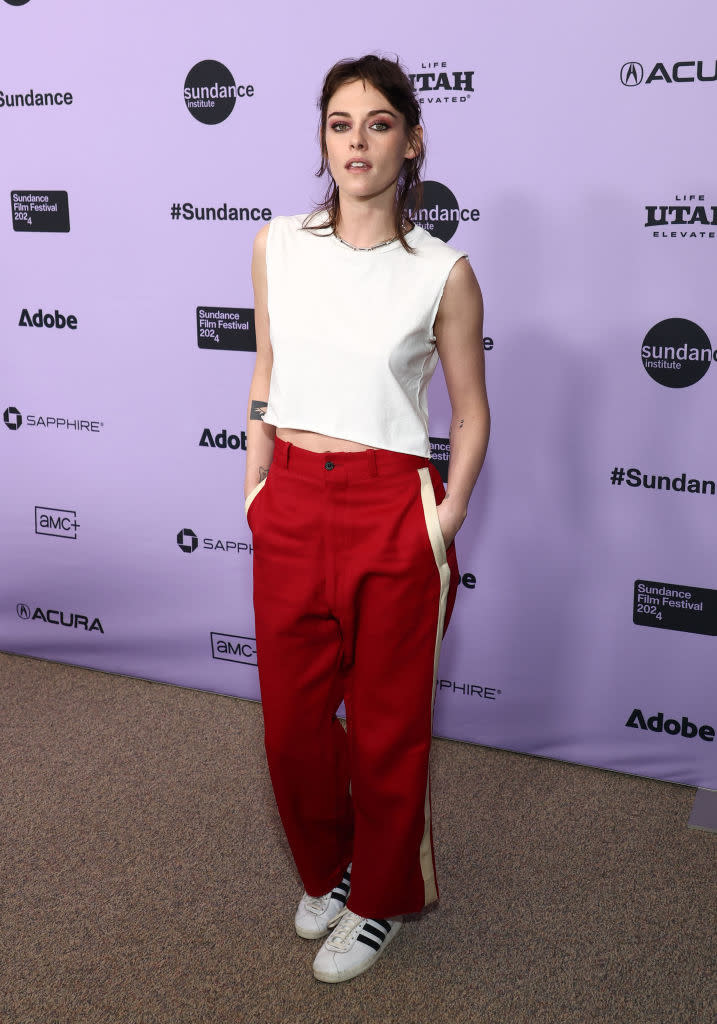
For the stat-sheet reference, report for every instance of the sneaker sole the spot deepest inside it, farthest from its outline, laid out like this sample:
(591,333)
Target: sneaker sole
(354,972)
(311,935)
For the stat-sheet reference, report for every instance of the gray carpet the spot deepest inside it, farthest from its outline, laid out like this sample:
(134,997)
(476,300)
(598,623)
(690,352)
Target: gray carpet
(145,878)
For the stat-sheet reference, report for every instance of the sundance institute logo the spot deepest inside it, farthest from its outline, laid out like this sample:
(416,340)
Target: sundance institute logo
(677,353)
(440,212)
(210,92)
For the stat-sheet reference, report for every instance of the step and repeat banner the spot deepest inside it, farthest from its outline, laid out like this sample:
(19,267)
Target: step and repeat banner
(570,152)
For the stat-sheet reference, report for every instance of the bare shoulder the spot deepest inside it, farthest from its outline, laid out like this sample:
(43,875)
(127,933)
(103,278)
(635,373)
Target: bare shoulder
(462,297)
(260,240)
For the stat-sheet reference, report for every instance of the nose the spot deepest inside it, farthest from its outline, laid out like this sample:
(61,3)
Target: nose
(357,140)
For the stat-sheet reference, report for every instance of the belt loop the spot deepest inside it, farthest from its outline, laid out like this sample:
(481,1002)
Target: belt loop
(372,465)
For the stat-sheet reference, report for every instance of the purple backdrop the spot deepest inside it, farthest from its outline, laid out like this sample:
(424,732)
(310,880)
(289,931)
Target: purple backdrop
(569,153)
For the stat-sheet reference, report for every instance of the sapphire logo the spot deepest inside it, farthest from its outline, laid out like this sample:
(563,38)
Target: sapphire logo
(13,421)
(632,73)
(12,418)
(187,541)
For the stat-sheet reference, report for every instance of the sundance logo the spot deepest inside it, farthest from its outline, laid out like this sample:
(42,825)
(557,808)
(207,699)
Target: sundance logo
(73,620)
(227,647)
(658,723)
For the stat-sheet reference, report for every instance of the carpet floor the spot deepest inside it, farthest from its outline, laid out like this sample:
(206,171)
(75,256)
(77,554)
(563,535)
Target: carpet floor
(145,878)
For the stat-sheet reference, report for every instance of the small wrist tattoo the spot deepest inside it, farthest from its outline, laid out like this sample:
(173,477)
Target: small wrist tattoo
(258,409)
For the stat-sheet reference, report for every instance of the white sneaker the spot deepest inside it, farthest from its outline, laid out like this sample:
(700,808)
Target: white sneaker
(316,914)
(353,946)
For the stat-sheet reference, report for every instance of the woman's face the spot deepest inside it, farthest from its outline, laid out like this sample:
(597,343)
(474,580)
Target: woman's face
(366,140)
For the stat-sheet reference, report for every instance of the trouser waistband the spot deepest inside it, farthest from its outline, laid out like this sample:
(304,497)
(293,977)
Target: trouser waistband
(354,465)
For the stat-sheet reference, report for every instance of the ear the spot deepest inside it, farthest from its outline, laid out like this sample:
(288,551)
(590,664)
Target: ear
(414,145)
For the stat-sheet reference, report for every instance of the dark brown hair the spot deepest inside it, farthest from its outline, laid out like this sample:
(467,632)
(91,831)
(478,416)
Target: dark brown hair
(390,79)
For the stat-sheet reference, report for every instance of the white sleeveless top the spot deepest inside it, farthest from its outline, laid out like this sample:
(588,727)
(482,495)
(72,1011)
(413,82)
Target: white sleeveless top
(352,334)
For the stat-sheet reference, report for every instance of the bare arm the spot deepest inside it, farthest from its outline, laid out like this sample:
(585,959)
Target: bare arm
(459,338)
(260,435)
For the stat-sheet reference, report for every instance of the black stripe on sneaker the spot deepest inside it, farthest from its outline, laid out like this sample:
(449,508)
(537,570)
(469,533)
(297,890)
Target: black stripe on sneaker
(341,891)
(369,927)
(383,922)
(369,942)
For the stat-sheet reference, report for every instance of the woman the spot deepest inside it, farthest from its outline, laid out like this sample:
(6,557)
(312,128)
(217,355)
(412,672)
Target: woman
(355,571)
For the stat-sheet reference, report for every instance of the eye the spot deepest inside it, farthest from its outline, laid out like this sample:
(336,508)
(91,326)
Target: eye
(339,126)
(381,126)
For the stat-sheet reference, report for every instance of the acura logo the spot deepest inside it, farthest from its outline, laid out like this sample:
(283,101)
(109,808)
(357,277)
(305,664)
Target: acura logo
(632,73)
(23,611)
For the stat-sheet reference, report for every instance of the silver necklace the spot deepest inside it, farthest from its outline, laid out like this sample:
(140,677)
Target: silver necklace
(365,248)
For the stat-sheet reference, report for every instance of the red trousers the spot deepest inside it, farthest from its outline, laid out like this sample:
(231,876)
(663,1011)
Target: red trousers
(353,589)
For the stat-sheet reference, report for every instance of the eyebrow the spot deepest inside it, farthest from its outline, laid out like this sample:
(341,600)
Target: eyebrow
(371,113)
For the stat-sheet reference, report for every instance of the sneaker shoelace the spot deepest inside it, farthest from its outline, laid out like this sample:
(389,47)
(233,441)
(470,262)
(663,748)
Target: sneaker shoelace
(345,926)
(317,904)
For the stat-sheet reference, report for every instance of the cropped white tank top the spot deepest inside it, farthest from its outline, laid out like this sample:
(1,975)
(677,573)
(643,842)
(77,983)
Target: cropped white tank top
(352,334)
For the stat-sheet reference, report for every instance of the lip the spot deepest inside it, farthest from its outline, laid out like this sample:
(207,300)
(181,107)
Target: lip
(357,170)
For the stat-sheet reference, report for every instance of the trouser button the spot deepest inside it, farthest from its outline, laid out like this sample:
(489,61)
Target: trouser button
(328,465)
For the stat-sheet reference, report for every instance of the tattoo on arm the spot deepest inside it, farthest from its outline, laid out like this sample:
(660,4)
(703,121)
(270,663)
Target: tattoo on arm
(452,428)
(258,409)
(263,473)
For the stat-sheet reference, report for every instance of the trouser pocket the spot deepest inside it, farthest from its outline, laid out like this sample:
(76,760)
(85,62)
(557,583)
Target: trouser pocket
(251,498)
(430,513)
